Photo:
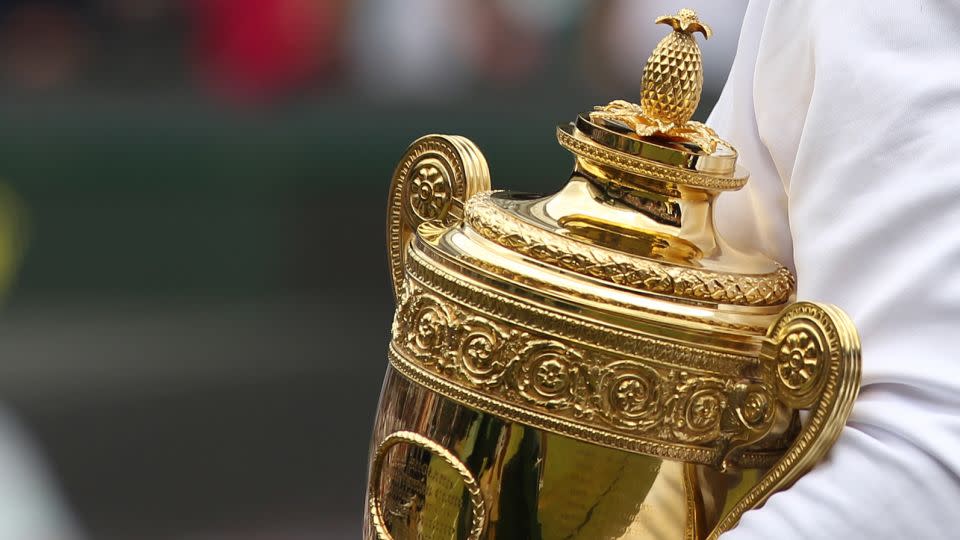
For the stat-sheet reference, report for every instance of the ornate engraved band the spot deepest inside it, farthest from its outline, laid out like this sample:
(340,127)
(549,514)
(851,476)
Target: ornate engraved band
(543,380)
(494,224)
(598,153)
(422,272)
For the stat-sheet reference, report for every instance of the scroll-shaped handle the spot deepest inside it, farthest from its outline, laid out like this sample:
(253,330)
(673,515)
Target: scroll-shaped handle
(811,355)
(432,182)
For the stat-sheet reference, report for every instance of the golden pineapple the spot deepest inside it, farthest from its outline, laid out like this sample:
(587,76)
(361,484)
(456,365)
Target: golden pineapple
(672,83)
(673,76)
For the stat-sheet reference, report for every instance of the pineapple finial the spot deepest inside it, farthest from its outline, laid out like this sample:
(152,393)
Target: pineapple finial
(671,87)
(673,76)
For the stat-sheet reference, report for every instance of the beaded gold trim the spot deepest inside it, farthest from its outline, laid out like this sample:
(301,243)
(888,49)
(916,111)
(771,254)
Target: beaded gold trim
(495,224)
(644,167)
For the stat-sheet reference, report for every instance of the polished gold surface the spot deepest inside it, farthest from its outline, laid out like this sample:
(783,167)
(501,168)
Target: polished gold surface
(659,159)
(464,480)
(433,179)
(494,218)
(673,76)
(672,83)
(813,355)
(432,452)
(597,363)
(660,398)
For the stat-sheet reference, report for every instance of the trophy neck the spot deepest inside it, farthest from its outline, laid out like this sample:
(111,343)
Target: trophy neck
(636,215)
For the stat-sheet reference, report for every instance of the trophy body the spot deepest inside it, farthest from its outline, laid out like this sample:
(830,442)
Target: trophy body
(545,485)
(597,363)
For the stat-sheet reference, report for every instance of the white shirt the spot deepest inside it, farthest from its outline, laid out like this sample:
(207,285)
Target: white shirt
(847,113)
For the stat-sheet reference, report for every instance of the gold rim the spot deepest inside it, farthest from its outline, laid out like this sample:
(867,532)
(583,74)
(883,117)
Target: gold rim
(495,224)
(585,148)
(722,162)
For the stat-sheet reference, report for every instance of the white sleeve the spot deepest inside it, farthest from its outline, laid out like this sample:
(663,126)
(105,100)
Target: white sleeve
(30,506)
(847,114)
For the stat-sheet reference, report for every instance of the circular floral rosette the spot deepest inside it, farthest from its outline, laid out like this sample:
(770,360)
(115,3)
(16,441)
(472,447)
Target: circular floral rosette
(631,395)
(799,362)
(431,191)
(704,410)
(547,373)
(697,407)
(427,329)
(483,351)
(757,408)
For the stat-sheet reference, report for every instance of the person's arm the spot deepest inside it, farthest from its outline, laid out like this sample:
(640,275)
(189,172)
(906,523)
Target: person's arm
(847,114)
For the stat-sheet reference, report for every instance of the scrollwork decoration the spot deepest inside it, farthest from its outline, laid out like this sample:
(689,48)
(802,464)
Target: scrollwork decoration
(564,380)
(547,372)
(632,395)
(483,351)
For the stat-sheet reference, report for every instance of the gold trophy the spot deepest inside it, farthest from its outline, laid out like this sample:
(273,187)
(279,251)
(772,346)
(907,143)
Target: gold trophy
(598,363)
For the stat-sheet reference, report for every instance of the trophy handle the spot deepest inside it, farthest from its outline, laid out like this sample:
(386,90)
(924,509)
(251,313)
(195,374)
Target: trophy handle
(432,182)
(811,356)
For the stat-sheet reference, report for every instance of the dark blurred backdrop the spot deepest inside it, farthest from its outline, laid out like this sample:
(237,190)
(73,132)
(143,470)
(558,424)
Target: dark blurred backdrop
(192,212)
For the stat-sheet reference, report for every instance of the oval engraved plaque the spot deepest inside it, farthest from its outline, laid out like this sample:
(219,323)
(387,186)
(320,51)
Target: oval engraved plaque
(418,489)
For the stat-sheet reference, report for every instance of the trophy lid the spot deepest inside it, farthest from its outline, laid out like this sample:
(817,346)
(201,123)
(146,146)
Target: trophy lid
(623,264)
(632,231)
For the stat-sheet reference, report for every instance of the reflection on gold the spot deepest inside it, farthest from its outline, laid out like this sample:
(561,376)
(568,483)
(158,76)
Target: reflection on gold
(12,235)
(597,363)
(604,233)
(547,486)
(423,491)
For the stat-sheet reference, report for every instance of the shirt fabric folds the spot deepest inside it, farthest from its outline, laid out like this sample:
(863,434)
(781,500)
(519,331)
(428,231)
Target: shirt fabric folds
(847,115)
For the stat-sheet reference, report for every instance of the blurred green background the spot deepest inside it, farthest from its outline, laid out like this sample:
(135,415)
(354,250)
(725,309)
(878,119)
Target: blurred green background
(195,336)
